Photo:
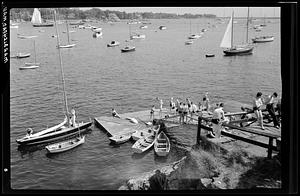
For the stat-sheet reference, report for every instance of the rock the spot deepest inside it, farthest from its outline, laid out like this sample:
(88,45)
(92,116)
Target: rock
(123,187)
(206,181)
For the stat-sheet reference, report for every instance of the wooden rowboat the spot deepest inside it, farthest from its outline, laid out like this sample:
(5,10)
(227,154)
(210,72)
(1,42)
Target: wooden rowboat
(65,145)
(143,144)
(119,139)
(162,144)
(141,133)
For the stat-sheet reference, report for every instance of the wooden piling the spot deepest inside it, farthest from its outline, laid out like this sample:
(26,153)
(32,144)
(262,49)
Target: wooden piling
(198,131)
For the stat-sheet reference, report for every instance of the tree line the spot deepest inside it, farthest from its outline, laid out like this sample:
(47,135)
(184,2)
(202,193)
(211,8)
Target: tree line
(96,13)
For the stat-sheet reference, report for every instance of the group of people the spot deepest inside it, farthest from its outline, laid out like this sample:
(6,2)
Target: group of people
(270,102)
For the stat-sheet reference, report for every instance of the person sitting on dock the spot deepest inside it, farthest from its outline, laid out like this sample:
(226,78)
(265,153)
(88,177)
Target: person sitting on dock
(152,113)
(270,107)
(257,103)
(114,113)
(160,107)
(217,119)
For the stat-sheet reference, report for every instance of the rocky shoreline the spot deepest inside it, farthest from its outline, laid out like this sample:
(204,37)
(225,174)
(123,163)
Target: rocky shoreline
(208,166)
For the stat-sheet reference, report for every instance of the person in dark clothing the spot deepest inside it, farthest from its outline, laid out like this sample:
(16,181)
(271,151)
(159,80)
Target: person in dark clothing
(270,101)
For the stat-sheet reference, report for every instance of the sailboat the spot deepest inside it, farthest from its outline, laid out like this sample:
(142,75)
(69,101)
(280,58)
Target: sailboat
(227,41)
(36,19)
(69,45)
(128,48)
(63,130)
(31,65)
(193,36)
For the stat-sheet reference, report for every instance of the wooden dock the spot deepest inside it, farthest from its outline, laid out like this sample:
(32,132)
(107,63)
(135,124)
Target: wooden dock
(118,126)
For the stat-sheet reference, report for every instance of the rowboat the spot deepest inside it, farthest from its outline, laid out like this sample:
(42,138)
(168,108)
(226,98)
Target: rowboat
(128,49)
(67,46)
(162,144)
(194,36)
(65,145)
(263,39)
(209,55)
(26,36)
(162,27)
(119,139)
(139,134)
(189,42)
(113,43)
(29,67)
(21,55)
(143,144)
(97,34)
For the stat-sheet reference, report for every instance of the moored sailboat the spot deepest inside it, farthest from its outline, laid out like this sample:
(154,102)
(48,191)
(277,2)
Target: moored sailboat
(227,41)
(36,19)
(69,45)
(33,65)
(67,128)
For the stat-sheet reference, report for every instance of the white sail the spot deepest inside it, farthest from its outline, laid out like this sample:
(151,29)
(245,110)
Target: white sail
(36,17)
(226,41)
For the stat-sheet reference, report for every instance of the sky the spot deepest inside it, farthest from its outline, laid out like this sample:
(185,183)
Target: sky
(218,11)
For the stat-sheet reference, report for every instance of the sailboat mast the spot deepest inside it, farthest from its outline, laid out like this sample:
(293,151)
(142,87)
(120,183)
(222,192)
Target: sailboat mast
(247,26)
(190,27)
(232,29)
(34,51)
(68,32)
(62,70)
(129,30)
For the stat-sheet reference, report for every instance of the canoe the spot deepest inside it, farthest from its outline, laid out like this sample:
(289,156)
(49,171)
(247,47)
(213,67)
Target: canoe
(65,145)
(143,133)
(143,144)
(162,144)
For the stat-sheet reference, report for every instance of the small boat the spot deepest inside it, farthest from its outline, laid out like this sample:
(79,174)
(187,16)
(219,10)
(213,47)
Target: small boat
(97,34)
(119,139)
(67,46)
(141,133)
(29,67)
(138,36)
(77,23)
(65,145)
(26,36)
(189,42)
(143,27)
(113,43)
(96,29)
(194,36)
(162,144)
(21,55)
(162,27)
(128,49)
(209,55)
(69,31)
(144,144)
(262,39)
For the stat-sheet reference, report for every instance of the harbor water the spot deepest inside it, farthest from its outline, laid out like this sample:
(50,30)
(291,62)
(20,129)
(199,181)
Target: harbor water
(100,77)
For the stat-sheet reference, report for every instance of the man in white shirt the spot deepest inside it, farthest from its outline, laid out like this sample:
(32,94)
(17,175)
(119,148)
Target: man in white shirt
(217,119)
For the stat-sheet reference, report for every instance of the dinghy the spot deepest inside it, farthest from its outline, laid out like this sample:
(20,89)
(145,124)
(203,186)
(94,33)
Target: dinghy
(143,144)
(128,49)
(21,55)
(113,43)
(65,145)
(26,36)
(29,67)
(144,133)
(189,42)
(119,139)
(162,144)
(209,55)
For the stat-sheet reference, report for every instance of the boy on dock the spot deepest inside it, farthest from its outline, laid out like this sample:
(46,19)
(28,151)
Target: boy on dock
(152,113)
(217,119)
(257,103)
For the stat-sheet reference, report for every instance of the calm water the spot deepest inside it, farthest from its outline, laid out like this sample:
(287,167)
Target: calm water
(98,78)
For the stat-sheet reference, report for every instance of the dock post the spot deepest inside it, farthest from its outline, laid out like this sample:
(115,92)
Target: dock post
(198,130)
(270,147)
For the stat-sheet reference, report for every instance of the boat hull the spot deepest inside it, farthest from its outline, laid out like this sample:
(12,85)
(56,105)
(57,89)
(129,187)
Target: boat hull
(29,67)
(60,134)
(67,46)
(232,52)
(261,40)
(128,50)
(43,25)
(162,145)
(65,145)
(119,140)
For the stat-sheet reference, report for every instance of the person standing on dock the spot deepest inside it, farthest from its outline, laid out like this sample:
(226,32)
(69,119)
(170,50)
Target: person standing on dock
(217,119)
(185,112)
(172,105)
(180,112)
(205,104)
(257,103)
(160,107)
(270,101)
(152,113)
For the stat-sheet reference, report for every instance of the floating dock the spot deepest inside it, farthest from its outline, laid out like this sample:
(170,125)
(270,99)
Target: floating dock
(119,126)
